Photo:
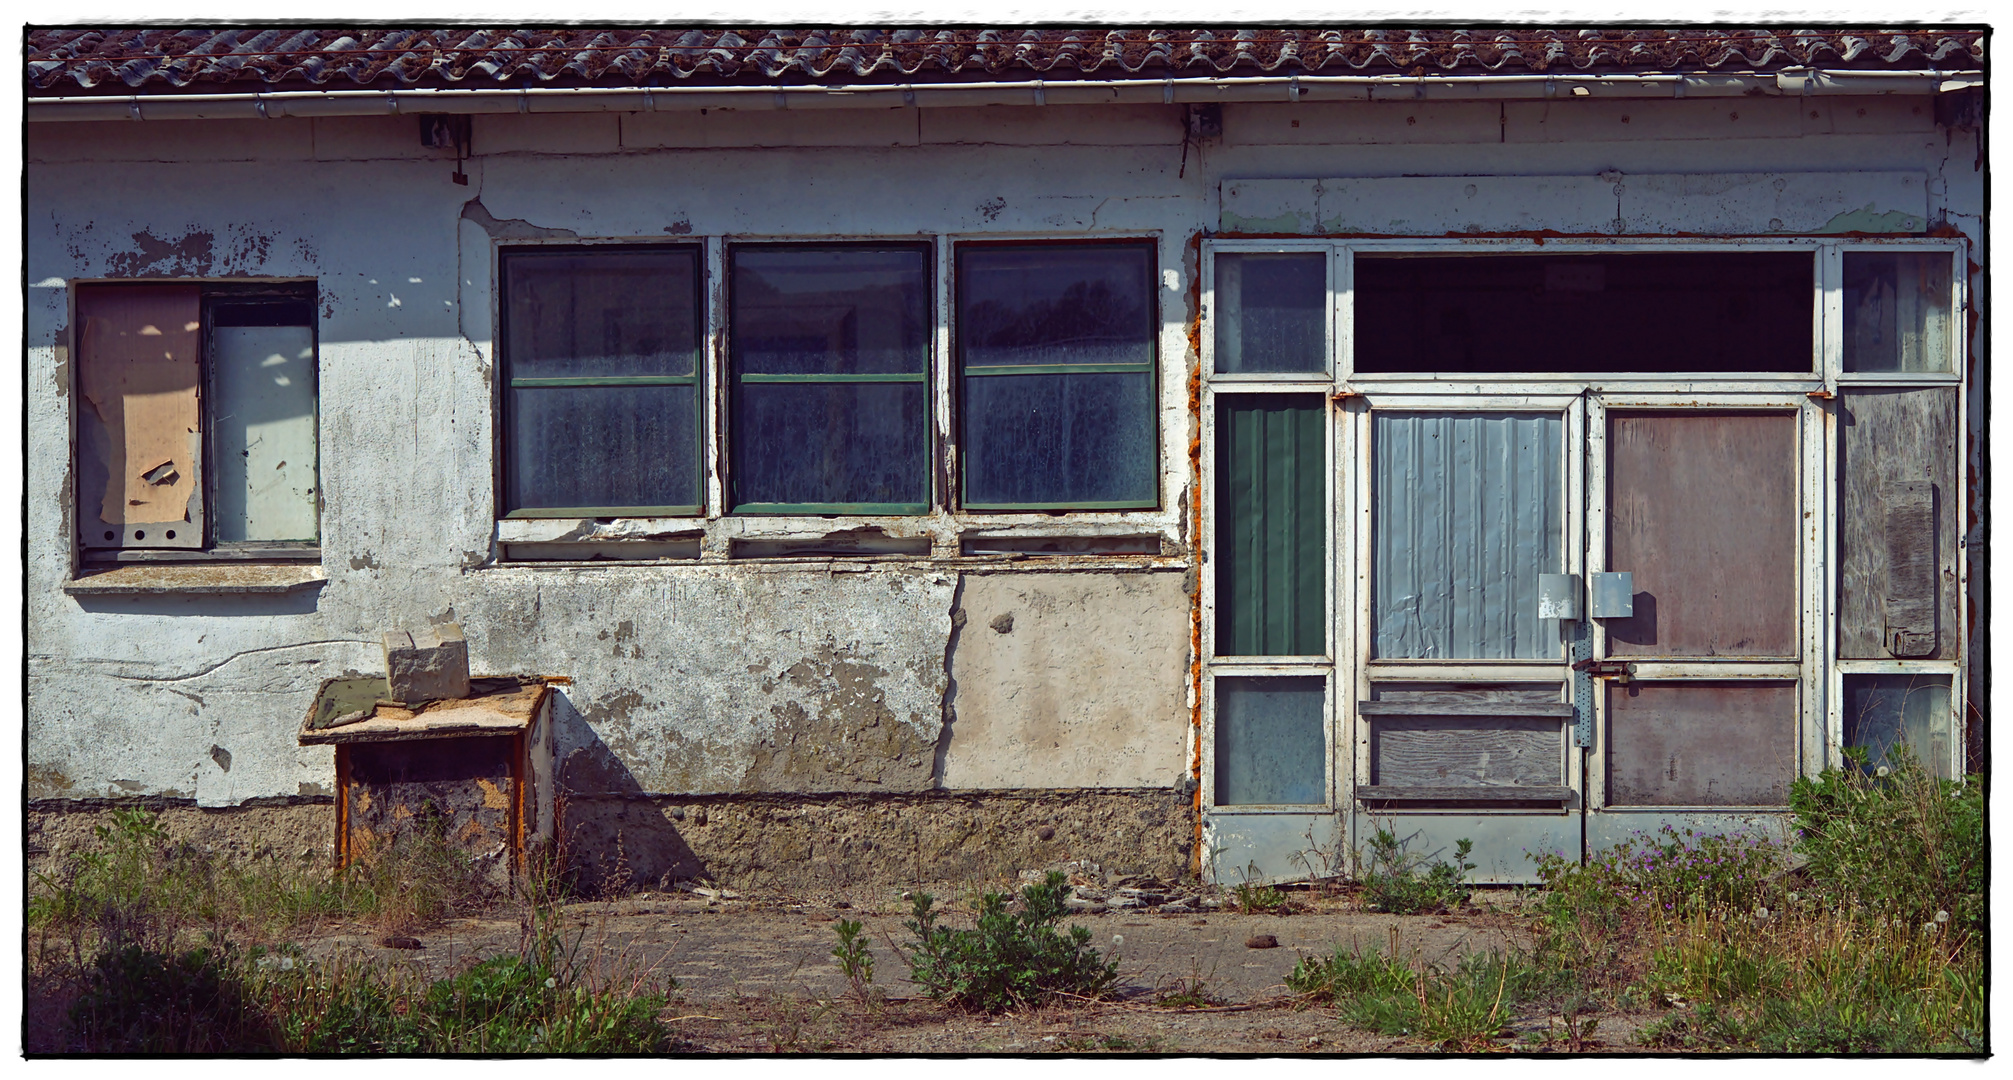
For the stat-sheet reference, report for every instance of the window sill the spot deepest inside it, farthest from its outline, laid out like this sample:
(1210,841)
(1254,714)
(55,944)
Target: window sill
(160,579)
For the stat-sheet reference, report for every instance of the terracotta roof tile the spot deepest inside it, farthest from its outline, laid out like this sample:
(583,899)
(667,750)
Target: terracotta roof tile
(127,60)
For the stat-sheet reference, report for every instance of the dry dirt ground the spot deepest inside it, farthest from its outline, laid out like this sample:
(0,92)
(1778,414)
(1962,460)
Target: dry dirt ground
(758,976)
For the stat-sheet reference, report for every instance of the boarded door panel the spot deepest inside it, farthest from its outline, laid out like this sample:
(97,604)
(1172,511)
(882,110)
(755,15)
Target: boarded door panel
(1467,514)
(1466,751)
(139,430)
(1702,509)
(1271,547)
(1897,524)
(1701,744)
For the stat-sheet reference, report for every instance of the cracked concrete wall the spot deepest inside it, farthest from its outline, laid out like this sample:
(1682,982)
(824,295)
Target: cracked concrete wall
(717,676)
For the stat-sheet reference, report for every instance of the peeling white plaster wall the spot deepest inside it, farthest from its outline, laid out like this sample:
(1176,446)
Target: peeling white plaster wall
(201,695)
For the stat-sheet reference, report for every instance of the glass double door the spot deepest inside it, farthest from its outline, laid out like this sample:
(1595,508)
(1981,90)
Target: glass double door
(1578,617)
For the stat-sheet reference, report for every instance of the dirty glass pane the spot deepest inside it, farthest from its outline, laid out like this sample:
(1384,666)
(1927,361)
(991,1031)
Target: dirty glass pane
(829,348)
(1468,512)
(1269,748)
(1056,350)
(1271,312)
(1056,304)
(823,443)
(262,382)
(1731,312)
(1883,711)
(1897,311)
(602,313)
(603,447)
(1271,547)
(830,310)
(1075,440)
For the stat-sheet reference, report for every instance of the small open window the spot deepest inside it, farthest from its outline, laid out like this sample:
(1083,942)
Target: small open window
(198,425)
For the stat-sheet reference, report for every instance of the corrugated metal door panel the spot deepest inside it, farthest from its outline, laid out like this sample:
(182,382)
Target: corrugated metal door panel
(1467,513)
(1271,544)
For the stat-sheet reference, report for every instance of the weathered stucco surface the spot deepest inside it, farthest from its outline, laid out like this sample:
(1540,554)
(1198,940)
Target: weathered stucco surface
(803,843)
(719,677)
(1070,680)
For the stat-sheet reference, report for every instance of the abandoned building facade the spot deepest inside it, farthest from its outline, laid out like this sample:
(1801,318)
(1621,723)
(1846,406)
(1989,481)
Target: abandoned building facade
(918,455)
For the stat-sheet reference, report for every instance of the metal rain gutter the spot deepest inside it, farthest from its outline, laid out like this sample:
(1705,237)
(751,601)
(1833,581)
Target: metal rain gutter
(1268,88)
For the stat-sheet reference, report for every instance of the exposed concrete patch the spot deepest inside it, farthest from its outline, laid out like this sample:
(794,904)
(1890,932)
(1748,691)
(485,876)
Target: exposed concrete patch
(509,228)
(849,740)
(803,843)
(190,256)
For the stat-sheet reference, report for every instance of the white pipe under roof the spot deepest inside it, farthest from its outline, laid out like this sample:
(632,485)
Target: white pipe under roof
(1311,88)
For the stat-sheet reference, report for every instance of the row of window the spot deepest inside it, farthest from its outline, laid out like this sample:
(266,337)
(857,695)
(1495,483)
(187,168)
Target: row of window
(828,378)
(828,394)
(1717,312)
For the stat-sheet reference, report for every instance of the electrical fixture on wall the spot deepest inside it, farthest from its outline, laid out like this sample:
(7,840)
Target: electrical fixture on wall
(442,131)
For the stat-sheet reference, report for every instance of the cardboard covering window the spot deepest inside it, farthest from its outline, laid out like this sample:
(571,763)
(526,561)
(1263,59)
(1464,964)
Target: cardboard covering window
(139,426)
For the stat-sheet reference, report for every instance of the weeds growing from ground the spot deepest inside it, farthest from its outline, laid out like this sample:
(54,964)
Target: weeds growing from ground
(1256,899)
(165,973)
(854,958)
(1872,946)
(1401,883)
(1010,958)
(1465,1007)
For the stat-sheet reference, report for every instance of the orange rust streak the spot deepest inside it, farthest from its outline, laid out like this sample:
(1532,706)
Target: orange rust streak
(1195,537)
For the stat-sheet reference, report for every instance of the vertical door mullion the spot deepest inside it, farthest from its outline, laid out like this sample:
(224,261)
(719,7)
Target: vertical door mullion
(1574,497)
(1596,555)
(1813,563)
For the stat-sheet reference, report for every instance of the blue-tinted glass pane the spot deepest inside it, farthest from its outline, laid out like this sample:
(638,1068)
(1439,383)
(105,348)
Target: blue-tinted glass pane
(1271,312)
(1468,511)
(1056,304)
(603,446)
(1059,439)
(831,443)
(601,314)
(1269,748)
(830,310)
(1897,311)
(1886,711)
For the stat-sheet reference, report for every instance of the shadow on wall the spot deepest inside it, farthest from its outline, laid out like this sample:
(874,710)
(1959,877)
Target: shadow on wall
(613,837)
(297,602)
